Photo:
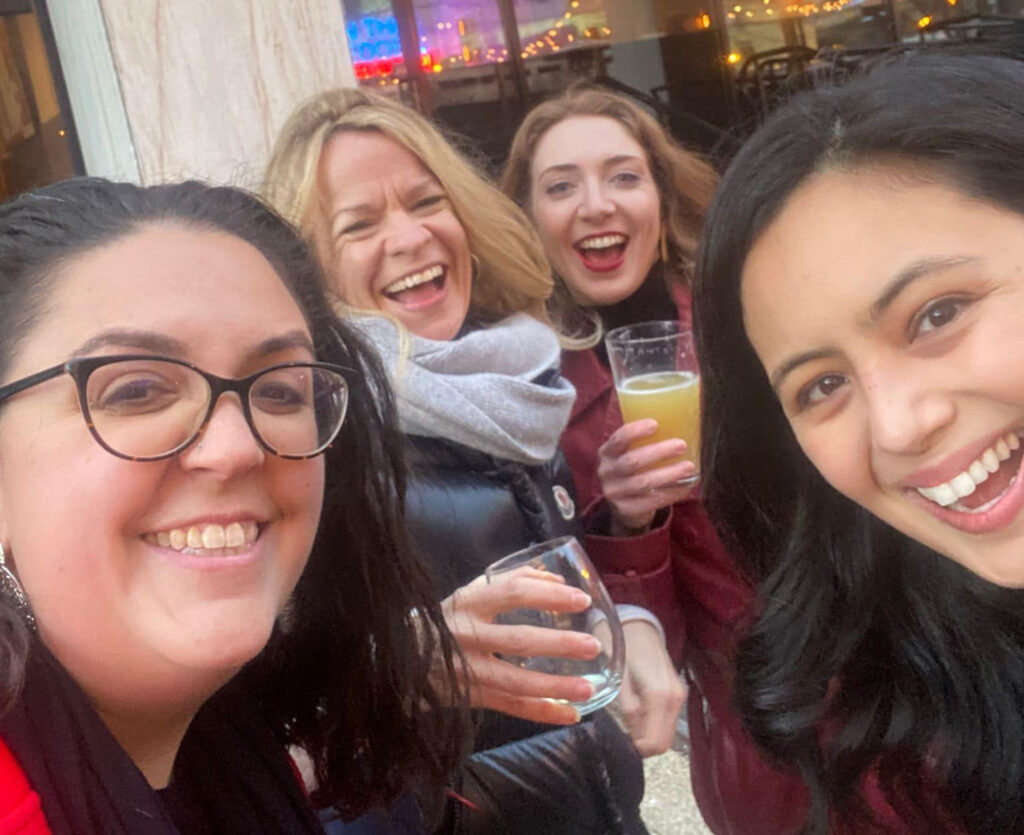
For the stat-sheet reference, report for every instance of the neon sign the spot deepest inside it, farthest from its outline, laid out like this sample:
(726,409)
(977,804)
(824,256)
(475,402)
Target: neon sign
(375,45)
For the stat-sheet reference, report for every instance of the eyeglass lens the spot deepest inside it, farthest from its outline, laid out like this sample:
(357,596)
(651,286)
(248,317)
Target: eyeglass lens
(148,408)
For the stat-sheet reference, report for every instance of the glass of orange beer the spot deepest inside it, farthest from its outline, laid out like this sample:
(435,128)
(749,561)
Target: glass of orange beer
(656,376)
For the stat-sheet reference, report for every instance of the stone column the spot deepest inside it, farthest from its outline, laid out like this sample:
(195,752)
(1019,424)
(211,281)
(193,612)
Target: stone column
(192,88)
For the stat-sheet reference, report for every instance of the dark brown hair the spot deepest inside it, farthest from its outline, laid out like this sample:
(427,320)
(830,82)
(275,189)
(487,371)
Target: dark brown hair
(348,676)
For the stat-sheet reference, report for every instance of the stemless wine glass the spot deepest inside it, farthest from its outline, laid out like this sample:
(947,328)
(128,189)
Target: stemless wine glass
(656,376)
(565,558)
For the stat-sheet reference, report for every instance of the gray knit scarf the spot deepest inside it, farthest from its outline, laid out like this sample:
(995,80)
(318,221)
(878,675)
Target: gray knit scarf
(480,390)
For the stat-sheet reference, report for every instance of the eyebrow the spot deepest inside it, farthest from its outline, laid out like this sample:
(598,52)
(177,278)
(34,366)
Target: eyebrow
(620,158)
(892,290)
(780,373)
(143,340)
(911,273)
(158,343)
(284,342)
(567,167)
(562,168)
(423,185)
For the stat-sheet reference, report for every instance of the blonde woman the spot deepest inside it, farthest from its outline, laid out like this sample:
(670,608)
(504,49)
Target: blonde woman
(456,280)
(619,208)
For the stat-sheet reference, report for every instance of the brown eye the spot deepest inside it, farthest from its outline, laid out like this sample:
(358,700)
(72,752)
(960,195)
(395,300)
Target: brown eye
(820,389)
(939,314)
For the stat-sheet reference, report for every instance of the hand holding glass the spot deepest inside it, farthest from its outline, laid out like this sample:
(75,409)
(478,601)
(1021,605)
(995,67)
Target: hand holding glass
(565,559)
(656,376)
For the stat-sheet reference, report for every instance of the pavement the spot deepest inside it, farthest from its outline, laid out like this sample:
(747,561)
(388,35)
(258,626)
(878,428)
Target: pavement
(668,807)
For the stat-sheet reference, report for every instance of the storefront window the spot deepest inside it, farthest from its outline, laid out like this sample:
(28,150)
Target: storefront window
(757,26)
(667,54)
(35,146)
(459,34)
(448,36)
(480,64)
(955,19)
(705,68)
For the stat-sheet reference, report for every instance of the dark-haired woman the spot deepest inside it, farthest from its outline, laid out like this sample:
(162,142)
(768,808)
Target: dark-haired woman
(619,206)
(173,381)
(859,304)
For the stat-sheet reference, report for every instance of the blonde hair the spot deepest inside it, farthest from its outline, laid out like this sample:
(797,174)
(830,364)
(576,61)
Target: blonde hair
(685,182)
(513,273)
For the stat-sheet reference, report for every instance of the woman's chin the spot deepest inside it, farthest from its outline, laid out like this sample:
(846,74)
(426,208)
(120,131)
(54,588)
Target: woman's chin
(604,289)
(220,643)
(1000,563)
(441,324)
(1004,570)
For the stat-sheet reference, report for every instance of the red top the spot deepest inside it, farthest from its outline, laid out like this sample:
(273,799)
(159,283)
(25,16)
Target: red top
(20,812)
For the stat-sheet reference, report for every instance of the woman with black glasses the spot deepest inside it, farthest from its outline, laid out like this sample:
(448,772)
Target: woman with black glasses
(173,382)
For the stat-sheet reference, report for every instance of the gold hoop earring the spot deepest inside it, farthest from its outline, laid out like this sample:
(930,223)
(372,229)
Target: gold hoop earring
(11,589)
(474,260)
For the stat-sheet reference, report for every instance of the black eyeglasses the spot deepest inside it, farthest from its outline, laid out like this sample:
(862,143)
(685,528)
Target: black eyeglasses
(145,408)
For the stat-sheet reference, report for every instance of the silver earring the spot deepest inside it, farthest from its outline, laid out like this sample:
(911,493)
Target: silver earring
(11,590)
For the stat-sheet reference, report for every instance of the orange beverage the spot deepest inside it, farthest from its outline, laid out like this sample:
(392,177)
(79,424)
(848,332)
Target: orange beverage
(670,397)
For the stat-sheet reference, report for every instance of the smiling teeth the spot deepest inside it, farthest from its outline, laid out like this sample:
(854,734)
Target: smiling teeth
(415,279)
(967,482)
(602,242)
(207,537)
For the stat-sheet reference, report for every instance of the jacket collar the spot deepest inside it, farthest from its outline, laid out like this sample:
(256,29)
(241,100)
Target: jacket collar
(592,378)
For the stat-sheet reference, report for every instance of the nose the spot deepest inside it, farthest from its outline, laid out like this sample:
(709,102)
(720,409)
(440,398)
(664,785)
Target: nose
(595,204)
(405,234)
(907,411)
(227,446)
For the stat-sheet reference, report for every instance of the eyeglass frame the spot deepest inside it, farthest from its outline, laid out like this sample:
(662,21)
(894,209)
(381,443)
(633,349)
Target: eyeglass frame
(80,369)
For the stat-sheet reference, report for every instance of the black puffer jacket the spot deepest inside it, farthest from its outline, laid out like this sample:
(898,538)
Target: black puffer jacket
(465,510)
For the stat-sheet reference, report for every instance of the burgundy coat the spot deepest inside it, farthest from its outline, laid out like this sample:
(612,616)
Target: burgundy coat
(680,571)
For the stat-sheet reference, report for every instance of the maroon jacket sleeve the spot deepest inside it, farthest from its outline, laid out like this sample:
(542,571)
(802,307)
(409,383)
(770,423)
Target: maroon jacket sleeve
(638,570)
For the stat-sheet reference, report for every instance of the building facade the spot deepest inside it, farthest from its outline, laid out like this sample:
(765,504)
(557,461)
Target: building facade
(150,91)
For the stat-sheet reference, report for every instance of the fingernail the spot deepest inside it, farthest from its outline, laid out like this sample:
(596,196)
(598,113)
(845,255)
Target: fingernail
(594,645)
(576,716)
(582,599)
(584,690)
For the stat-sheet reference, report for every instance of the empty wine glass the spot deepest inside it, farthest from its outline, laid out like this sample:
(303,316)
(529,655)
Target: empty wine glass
(565,558)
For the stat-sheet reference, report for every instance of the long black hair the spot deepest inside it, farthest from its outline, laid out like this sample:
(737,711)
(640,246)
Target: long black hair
(870,656)
(347,673)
